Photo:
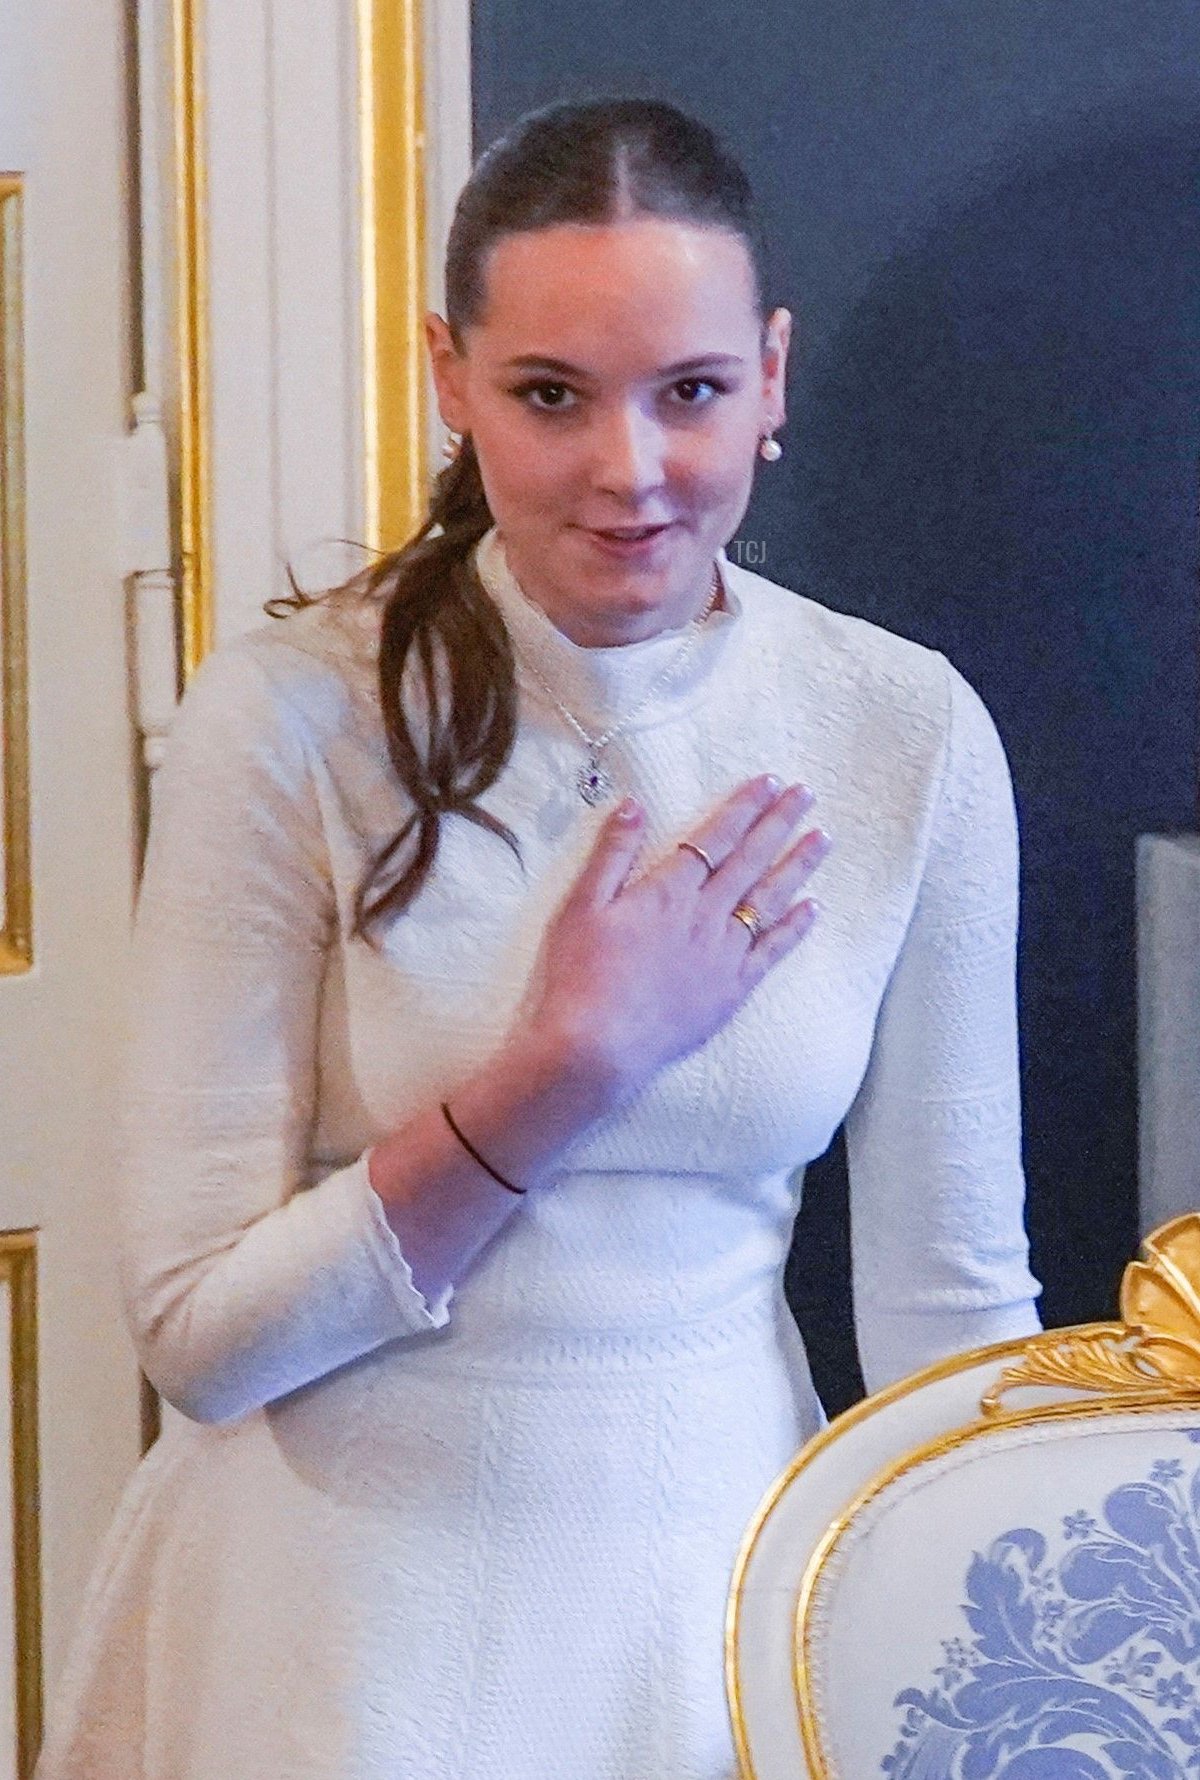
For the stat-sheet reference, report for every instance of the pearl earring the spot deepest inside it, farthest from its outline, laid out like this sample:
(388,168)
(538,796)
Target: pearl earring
(770,449)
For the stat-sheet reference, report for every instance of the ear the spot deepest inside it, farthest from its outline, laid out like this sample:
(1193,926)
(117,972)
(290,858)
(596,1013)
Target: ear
(774,365)
(449,373)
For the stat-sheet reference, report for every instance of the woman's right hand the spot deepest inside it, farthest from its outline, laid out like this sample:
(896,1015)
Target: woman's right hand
(635,972)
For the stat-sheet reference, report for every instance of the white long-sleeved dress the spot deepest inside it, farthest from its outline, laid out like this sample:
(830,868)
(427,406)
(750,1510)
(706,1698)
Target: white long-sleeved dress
(490,1537)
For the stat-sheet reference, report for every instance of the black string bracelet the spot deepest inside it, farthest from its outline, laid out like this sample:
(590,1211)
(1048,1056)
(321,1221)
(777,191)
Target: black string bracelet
(472,1151)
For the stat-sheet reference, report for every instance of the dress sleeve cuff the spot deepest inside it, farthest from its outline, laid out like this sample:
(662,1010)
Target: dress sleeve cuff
(894,1343)
(419,1311)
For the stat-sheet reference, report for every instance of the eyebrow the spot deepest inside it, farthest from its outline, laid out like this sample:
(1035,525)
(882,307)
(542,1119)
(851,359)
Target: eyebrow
(531,362)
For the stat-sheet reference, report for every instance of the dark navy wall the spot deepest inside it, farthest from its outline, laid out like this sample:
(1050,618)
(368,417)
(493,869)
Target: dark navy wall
(986,221)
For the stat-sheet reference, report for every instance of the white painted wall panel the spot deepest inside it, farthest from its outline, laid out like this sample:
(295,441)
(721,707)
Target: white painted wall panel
(1168,924)
(315,277)
(285,297)
(64,128)
(8,1628)
(241,299)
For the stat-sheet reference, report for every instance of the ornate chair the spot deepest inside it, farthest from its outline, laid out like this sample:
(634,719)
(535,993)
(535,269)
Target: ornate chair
(991,1570)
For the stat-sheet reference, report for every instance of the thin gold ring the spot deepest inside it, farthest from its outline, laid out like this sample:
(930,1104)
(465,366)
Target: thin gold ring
(700,854)
(748,915)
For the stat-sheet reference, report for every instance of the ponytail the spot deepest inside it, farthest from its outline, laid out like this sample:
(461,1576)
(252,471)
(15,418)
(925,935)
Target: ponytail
(447,682)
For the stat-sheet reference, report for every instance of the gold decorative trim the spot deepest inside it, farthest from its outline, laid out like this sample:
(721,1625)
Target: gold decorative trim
(1154,1352)
(16,874)
(808,1454)
(393,162)
(815,1753)
(192,315)
(395,399)
(1148,1361)
(18,1268)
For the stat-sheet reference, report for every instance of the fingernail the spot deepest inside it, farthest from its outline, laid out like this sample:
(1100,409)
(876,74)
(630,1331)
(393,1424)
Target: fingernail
(629,810)
(773,784)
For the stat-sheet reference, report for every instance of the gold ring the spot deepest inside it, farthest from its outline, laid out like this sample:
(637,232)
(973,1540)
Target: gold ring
(749,916)
(700,854)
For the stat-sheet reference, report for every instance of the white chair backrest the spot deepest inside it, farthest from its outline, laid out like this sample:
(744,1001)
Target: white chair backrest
(991,1571)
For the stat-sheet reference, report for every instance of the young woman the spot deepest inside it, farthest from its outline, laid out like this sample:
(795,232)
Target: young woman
(483,1019)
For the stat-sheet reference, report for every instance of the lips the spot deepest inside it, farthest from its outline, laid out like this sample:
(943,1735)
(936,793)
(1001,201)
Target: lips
(628,534)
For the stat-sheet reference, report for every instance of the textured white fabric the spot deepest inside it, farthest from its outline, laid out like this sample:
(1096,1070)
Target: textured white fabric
(490,1538)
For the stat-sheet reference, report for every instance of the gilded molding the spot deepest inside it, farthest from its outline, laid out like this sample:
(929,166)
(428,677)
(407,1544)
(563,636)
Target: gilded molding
(16,878)
(393,174)
(18,1269)
(195,519)
(393,232)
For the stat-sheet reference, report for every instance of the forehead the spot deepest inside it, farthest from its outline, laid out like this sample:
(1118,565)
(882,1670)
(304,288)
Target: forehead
(647,286)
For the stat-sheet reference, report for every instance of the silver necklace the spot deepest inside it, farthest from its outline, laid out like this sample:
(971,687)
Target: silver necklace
(593,781)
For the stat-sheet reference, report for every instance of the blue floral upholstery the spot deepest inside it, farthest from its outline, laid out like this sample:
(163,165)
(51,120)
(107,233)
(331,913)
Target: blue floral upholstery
(1078,1655)
(991,1571)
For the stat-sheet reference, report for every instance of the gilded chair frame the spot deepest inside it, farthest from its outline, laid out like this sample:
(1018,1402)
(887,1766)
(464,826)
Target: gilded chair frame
(1148,1361)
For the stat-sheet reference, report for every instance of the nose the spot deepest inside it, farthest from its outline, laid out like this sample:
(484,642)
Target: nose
(627,455)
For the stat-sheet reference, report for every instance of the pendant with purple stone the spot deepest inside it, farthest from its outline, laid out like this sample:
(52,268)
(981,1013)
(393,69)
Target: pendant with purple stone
(593,782)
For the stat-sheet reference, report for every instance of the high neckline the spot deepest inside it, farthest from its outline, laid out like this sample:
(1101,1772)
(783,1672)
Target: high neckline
(600,686)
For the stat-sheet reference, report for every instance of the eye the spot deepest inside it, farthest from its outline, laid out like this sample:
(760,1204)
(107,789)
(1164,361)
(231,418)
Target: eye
(693,383)
(525,390)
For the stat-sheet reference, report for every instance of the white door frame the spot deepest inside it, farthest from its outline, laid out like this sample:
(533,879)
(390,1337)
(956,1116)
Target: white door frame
(68,1374)
(260,213)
